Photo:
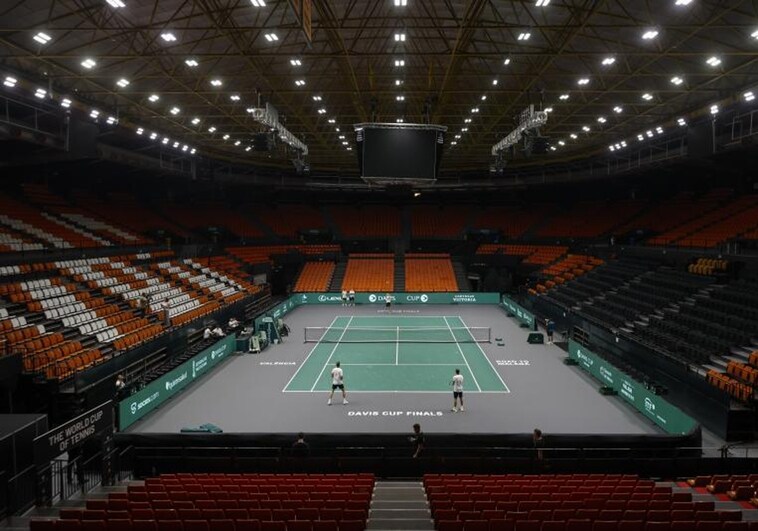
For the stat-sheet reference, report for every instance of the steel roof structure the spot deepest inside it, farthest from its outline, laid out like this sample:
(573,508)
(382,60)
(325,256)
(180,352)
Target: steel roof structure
(607,69)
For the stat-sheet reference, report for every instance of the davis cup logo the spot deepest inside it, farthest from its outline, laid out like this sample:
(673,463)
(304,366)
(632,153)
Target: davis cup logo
(424,297)
(372,298)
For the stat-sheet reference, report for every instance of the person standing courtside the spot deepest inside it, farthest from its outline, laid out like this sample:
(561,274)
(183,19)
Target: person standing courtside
(165,306)
(344,297)
(337,383)
(388,302)
(418,441)
(351,296)
(457,383)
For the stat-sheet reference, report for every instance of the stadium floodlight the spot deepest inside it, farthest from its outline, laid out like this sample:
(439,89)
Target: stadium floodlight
(65,103)
(649,133)
(216,82)
(618,109)
(195,120)
(140,130)
(682,2)
(676,80)
(153,98)
(94,113)
(176,144)
(212,129)
(507,61)
(548,109)
(42,37)
(754,34)
(322,110)
(524,36)
(608,61)
(89,63)
(484,97)
(494,82)
(647,96)
(40,93)
(317,98)
(659,130)
(111,120)
(175,110)
(238,142)
(398,82)
(123,82)
(399,37)
(300,82)
(399,63)
(268,116)
(650,34)
(714,109)
(271,37)
(682,122)
(400,98)
(586,129)
(225,137)
(258,3)
(573,136)
(332,120)
(192,63)
(296,62)
(542,3)
(467,121)
(529,121)
(153,136)
(168,36)
(749,96)
(601,119)
(234,97)
(165,140)
(115,3)
(193,151)
(583,81)
(10,81)
(563,97)
(713,61)
(401,3)
(475,110)
(640,138)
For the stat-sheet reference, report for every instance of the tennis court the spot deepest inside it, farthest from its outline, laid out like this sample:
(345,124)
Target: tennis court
(397,353)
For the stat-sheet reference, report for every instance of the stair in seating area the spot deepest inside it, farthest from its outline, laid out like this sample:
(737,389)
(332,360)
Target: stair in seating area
(460,277)
(399,505)
(399,275)
(338,276)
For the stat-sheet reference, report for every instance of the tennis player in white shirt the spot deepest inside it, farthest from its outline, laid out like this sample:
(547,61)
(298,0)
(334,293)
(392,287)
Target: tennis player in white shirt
(457,383)
(338,383)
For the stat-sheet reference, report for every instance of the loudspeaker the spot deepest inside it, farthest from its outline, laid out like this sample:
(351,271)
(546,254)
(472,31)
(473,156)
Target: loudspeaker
(263,142)
(700,140)
(82,138)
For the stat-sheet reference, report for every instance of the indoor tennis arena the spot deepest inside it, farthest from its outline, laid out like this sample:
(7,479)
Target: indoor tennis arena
(381,265)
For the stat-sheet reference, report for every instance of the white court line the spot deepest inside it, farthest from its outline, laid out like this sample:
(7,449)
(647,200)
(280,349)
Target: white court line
(507,390)
(402,365)
(312,350)
(334,348)
(462,354)
(409,392)
(397,345)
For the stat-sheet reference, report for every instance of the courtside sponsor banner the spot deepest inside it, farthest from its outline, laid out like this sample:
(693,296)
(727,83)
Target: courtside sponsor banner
(654,407)
(400,298)
(63,438)
(518,311)
(158,391)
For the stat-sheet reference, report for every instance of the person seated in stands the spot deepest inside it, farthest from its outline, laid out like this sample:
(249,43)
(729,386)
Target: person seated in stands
(218,332)
(233,324)
(207,333)
(120,386)
(300,448)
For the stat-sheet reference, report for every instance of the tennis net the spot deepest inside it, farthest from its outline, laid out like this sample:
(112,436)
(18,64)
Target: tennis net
(398,334)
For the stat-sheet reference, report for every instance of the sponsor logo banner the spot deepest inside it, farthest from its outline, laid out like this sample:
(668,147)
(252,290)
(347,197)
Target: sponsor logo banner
(518,312)
(400,298)
(156,392)
(73,433)
(652,406)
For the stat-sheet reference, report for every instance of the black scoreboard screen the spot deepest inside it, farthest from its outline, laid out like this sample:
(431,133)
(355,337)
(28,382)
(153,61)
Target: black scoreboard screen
(397,154)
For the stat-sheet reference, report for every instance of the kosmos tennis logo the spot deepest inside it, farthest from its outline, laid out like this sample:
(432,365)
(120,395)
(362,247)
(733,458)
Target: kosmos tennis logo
(372,298)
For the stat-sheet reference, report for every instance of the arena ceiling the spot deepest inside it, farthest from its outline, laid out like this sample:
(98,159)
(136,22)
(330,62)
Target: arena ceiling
(608,69)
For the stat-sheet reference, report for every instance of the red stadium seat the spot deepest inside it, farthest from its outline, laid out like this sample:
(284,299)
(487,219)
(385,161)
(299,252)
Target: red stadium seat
(447,525)
(324,525)
(196,525)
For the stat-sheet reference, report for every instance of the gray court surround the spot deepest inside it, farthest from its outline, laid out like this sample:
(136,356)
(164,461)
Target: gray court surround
(244,394)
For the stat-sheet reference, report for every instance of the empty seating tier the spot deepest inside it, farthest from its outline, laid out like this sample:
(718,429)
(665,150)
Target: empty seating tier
(592,502)
(429,273)
(370,273)
(315,276)
(234,502)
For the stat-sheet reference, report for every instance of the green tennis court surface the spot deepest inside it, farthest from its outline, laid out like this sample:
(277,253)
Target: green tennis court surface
(396,353)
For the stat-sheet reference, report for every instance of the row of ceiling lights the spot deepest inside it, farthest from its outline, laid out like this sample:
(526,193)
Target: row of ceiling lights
(681,122)
(11,82)
(43,38)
